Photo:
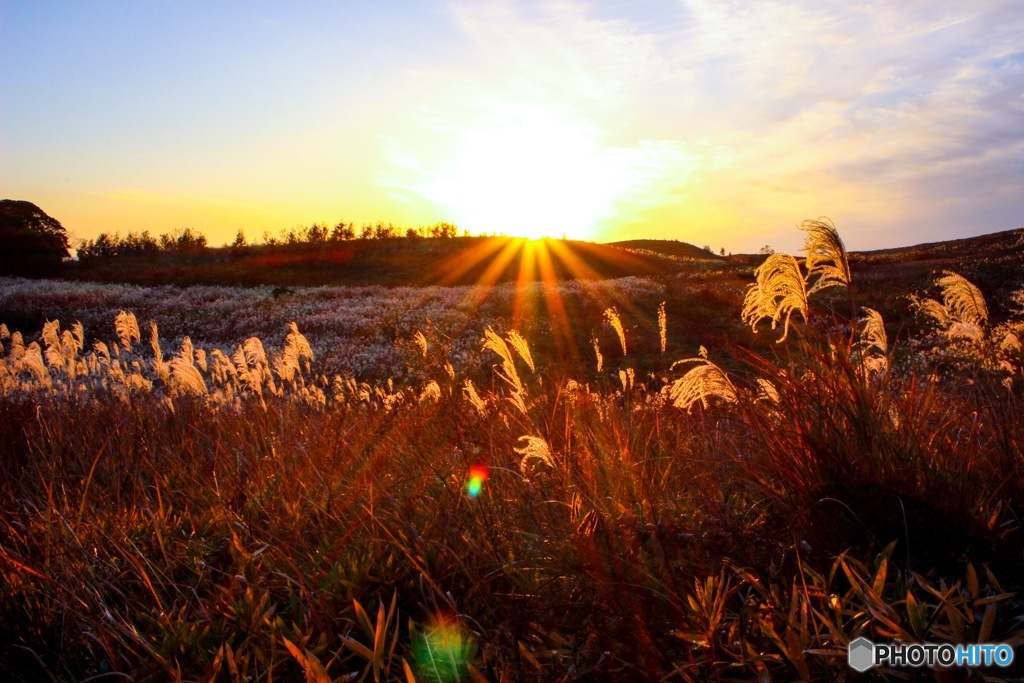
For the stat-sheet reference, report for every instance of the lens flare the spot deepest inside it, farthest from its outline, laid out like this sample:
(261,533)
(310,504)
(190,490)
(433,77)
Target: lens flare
(443,651)
(475,484)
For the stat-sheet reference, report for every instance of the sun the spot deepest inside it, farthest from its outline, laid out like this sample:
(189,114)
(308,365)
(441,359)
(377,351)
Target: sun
(529,172)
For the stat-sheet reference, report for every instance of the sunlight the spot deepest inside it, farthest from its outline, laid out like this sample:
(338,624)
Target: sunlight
(532,173)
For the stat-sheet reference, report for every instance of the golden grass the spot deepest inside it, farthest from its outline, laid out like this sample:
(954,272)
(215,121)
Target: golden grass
(232,515)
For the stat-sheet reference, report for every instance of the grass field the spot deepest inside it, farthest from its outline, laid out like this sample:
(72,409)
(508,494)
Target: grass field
(554,481)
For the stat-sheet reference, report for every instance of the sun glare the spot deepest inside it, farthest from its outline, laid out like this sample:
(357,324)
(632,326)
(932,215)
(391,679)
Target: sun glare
(530,173)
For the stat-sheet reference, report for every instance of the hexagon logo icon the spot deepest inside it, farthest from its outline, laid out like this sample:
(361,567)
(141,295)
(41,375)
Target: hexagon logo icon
(861,654)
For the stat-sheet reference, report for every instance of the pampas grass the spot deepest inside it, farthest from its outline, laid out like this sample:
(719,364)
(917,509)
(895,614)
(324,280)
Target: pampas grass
(962,314)
(508,373)
(518,343)
(662,327)
(473,397)
(703,382)
(531,449)
(127,328)
(873,345)
(202,523)
(778,293)
(611,316)
(825,256)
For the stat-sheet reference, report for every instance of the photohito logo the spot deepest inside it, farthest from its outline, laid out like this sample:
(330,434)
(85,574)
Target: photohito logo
(862,654)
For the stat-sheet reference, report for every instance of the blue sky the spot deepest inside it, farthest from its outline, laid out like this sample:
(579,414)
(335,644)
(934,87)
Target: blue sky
(722,123)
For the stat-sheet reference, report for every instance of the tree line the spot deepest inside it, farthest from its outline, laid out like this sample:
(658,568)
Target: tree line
(192,241)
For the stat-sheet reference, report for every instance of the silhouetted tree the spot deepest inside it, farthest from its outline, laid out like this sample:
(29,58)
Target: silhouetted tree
(185,240)
(104,245)
(31,243)
(382,231)
(317,233)
(343,231)
(444,229)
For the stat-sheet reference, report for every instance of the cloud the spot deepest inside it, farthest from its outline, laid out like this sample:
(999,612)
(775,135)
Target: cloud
(866,109)
(533,129)
(744,116)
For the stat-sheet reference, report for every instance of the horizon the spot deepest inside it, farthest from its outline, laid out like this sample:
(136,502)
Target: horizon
(602,121)
(280,238)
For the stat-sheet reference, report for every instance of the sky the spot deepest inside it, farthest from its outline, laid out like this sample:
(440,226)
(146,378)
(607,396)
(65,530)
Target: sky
(719,123)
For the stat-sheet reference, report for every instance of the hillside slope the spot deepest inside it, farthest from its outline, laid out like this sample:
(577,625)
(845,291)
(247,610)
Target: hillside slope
(389,262)
(668,248)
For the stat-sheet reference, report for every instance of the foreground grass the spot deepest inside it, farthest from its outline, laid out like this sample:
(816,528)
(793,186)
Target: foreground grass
(234,516)
(630,539)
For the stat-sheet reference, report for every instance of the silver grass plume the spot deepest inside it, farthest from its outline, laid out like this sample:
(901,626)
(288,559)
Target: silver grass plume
(963,299)
(663,326)
(296,348)
(200,356)
(253,352)
(533,448)
(222,370)
(187,352)
(421,341)
(873,343)
(102,351)
(766,391)
(154,343)
(701,383)
(872,332)
(473,397)
(184,377)
(963,311)
(32,362)
(522,348)
(54,359)
(69,345)
(779,291)
(508,373)
(431,392)
(51,333)
(251,363)
(17,347)
(78,331)
(127,328)
(611,315)
(825,255)
(1010,343)
(159,366)
(930,308)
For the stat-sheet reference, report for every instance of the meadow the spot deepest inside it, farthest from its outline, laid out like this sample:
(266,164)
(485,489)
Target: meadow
(645,478)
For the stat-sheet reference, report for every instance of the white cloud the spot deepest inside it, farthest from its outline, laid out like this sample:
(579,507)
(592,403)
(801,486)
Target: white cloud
(741,116)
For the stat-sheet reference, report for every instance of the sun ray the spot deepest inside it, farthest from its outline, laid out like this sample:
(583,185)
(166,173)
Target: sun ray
(521,303)
(561,329)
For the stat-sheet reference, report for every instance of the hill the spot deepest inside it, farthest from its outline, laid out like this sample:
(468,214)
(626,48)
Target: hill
(994,262)
(388,262)
(673,248)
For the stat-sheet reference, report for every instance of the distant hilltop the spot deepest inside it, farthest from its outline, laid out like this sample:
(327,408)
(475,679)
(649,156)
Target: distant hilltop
(667,248)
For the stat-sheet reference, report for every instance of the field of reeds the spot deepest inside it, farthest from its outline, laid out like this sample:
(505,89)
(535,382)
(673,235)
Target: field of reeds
(459,485)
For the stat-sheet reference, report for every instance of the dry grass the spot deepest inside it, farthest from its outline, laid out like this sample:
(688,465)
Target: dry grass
(744,520)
